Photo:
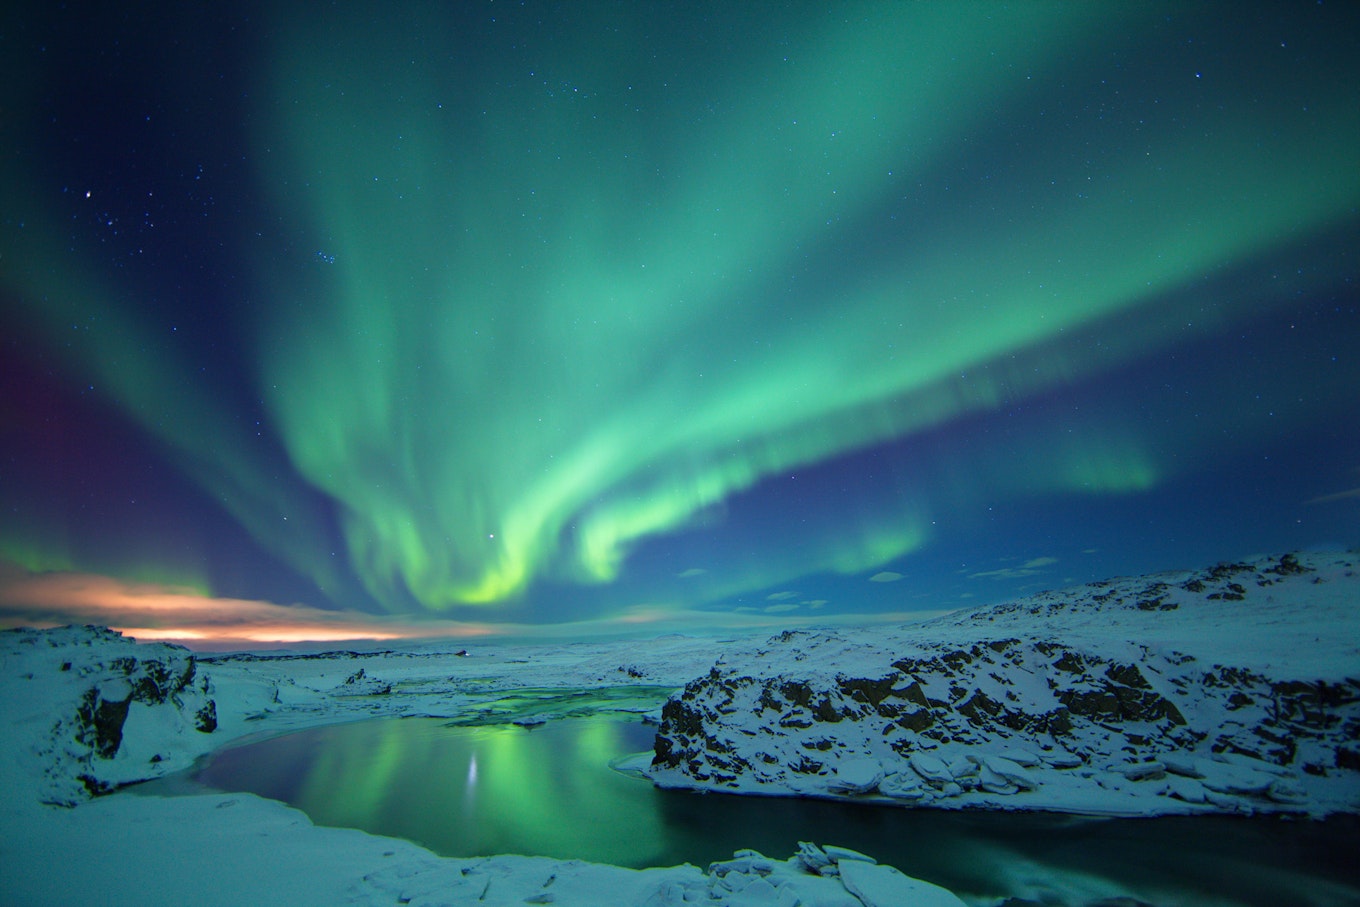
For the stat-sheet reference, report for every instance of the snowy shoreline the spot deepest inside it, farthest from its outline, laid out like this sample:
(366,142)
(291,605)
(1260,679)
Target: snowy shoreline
(85,710)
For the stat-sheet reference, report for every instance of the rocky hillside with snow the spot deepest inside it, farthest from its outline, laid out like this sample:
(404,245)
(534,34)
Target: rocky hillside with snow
(1235,689)
(103,710)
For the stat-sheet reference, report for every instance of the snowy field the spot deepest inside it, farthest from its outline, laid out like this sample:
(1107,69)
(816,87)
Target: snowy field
(1228,690)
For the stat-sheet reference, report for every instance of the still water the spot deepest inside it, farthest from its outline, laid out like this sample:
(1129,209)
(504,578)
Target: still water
(473,791)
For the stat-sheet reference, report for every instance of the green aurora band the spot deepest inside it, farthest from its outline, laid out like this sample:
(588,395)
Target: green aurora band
(564,316)
(570,295)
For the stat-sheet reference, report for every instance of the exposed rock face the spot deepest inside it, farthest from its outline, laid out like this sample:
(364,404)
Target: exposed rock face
(111,682)
(1011,716)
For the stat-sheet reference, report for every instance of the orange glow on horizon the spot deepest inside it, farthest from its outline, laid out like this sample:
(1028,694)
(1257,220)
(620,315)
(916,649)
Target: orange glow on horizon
(150,612)
(154,635)
(299,633)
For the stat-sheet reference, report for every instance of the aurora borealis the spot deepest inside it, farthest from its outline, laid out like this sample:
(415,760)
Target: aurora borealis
(554,314)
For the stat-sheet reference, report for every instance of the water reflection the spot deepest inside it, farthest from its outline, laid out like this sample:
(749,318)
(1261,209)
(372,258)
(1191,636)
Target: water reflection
(468,791)
(472,791)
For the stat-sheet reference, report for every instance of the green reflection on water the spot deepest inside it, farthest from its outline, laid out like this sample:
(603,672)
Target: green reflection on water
(501,789)
(548,791)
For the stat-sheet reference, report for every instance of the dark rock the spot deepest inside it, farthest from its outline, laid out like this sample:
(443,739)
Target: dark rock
(205,719)
(916,721)
(869,691)
(100,722)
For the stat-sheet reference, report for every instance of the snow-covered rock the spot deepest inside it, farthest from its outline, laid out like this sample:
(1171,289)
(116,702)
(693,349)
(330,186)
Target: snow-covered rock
(1200,675)
(108,710)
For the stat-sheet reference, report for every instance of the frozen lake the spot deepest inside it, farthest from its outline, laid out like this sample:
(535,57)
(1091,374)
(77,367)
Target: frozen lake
(473,791)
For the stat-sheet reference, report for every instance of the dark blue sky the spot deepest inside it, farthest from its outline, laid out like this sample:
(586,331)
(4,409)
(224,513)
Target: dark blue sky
(603,316)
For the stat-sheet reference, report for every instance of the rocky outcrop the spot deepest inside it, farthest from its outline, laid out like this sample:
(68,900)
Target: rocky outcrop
(1033,722)
(120,706)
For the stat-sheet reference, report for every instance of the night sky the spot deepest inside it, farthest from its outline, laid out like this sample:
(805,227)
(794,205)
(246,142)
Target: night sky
(578,318)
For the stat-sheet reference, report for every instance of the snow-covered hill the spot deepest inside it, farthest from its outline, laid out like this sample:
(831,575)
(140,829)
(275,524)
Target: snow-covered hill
(1235,689)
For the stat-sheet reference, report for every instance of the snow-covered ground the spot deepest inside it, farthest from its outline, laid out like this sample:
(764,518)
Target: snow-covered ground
(1233,689)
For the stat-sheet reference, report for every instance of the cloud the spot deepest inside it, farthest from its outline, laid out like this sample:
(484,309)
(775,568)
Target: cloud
(1028,568)
(885,576)
(1337,496)
(691,572)
(780,596)
(149,611)
(154,611)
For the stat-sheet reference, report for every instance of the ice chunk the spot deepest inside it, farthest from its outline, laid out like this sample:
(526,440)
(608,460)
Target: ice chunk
(1250,763)
(754,890)
(1021,757)
(1283,790)
(932,768)
(744,862)
(884,886)
(1062,759)
(963,766)
(1185,766)
(760,893)
(902,785)
(857,775)
(1140,771)
(845,854)
(812,856)
(1185,788)
(1012,772)
(993,783)
(1230,778)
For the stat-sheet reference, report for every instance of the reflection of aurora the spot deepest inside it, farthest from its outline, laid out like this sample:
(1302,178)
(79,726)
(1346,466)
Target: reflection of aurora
(466,791)
(544,303)
(498,789)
